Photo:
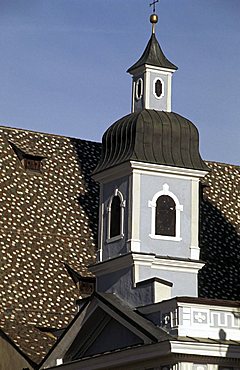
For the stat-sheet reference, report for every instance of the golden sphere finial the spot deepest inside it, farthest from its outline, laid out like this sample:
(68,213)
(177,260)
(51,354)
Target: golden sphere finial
(153,18)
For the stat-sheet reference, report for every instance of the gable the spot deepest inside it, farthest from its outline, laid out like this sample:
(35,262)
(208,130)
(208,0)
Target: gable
(101,333)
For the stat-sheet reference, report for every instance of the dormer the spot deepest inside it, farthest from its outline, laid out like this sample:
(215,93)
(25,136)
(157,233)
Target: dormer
(152,77)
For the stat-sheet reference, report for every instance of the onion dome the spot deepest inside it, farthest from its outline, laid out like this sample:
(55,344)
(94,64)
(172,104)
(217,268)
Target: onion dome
(151,136)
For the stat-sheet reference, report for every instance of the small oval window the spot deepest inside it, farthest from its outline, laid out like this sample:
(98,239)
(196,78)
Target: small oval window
(158,88)
(139,88)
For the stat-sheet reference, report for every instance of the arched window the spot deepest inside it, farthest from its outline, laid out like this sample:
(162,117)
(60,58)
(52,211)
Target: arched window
(115,221)
(165,216)
(115,217)
(166,209)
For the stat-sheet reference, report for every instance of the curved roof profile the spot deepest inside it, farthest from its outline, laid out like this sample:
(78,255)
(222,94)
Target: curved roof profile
(158,137)
(153,55)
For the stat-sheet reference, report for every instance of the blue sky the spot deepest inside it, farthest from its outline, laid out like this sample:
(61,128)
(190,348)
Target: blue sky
(63,65)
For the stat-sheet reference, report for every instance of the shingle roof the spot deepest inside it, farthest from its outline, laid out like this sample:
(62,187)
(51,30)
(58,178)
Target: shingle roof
(46,218)
(51,217)
(220,232)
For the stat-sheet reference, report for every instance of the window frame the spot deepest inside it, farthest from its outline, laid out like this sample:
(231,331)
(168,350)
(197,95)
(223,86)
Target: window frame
(139,81)
(163,88)
(110,239)
(178,207)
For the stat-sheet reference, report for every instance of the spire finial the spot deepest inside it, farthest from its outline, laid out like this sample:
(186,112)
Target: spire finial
(154,17)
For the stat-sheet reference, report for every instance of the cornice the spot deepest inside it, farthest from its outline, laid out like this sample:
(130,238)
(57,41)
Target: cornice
(142,259)
(126,168)
(170,170)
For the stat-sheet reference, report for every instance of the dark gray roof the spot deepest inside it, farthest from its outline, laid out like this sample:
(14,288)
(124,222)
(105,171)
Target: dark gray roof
(154,137)
(153,55)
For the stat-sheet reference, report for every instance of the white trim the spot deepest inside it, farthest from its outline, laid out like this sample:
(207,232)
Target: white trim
(168,169)
(116,193)
(124,169)
(163,70)
(165,237)
(152,68)
(205,349)
(135,211)
(178,207)
(150,260)
(166,264)
(147,90)
(194,248)
(101,232)
(169,93)
(163,88)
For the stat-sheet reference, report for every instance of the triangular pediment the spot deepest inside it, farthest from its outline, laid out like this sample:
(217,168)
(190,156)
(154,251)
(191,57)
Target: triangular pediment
(101,333)
(104,324)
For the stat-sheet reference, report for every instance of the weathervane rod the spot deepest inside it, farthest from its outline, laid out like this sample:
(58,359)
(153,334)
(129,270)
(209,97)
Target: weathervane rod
(154,17)
(153,4)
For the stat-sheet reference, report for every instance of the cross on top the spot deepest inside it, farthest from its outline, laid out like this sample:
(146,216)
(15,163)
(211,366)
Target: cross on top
(153,4)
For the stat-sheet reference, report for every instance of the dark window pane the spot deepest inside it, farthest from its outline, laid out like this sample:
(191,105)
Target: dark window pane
(165,216)
(158,88)
(115,217)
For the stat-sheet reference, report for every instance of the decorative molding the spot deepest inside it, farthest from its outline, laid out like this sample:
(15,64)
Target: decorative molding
(205,349)
(164,71)
(163,88)
(167,264)
(134,245)
(135,212)
(126,168)
(170,170)
(194,233)
(137,260)
(178,208)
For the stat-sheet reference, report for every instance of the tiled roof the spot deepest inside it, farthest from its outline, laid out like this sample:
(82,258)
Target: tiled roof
(220,233)
(46,218)
(50,217)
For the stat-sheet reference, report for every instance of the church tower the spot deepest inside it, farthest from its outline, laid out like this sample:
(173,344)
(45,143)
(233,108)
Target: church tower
(149,176)
(152,77)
